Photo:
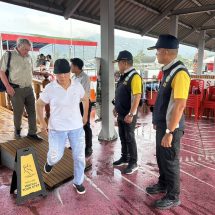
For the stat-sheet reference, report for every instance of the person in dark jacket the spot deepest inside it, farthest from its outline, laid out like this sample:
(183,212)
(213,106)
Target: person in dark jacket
(127,98)
(168,120)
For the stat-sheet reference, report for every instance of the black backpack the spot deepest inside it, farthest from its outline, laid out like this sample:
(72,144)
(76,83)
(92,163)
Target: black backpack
(2,87)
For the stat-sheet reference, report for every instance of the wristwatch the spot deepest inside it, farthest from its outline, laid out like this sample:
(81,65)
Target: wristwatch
(130,114)
(169,132)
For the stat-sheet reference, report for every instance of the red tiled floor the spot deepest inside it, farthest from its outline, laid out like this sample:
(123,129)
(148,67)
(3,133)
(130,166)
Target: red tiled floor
(109,192)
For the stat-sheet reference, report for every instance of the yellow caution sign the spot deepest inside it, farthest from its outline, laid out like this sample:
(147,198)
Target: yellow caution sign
(30,182)
(27,178)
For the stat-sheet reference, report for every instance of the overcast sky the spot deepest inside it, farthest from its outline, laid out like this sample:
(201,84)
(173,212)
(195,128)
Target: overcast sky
(23,20)
(16,19)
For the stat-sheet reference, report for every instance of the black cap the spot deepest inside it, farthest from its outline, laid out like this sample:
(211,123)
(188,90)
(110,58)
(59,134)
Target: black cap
(124,55)
(166,41)
(77,62)
(61,66)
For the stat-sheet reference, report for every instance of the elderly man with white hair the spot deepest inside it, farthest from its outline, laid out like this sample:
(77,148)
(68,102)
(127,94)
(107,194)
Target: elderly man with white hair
(19,86)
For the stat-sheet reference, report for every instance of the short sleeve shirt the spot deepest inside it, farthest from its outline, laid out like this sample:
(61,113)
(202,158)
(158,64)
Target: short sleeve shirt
(64,105)
(136,85)
(180,85)
(84,79)
(21,68)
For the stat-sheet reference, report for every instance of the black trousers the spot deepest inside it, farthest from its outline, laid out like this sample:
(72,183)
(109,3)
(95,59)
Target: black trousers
(87,129)
(127,137)
(168,162)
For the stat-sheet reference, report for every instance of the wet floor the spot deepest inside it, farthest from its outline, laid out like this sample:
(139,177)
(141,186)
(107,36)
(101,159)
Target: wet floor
(109,192)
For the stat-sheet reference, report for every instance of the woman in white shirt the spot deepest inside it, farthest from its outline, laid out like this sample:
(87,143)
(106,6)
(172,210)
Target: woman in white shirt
(65,122)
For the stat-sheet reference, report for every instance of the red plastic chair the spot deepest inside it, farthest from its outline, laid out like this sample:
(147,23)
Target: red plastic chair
(195,97)
(151,97)
(209,101)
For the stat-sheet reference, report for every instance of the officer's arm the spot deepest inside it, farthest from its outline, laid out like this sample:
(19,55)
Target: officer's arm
(180,86)
(135,103)
(136,87)
(176,114)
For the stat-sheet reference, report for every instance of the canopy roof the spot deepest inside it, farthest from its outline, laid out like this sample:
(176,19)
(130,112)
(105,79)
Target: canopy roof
(145,17)
(39,41)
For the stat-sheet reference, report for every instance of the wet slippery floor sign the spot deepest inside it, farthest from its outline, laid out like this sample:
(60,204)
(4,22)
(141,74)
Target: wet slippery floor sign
(27,178)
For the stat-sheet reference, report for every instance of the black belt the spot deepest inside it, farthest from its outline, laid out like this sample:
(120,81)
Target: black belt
(14,85)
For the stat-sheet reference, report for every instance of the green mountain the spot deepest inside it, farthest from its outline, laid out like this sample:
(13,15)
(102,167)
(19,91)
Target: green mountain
(135,46)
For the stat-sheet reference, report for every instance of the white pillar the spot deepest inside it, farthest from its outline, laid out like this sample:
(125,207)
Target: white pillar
(214,65)
(201,48)
(107,12)
(54,57)
(7,45)
(173,28)
(1,47)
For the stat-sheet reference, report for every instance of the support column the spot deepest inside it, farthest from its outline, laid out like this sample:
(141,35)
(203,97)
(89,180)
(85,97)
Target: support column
(1,47)
(214,65)
(107,12)
(201,48)
(7,46)
(173,28)
(2,95)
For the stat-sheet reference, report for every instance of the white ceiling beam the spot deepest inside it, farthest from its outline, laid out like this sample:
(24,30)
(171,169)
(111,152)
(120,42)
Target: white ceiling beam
(192,10)
(71,8)
(210,38)
(143,5)
(197,27)
(199,4)
(209,27)
(45,6)
(159,18)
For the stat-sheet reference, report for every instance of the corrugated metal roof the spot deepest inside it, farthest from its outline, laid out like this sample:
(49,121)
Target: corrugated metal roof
(145,17)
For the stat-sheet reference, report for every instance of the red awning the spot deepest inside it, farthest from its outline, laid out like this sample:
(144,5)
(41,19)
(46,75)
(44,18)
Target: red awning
(48,40)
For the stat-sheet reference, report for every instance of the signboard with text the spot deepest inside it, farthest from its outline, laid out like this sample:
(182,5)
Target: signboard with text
(27,178)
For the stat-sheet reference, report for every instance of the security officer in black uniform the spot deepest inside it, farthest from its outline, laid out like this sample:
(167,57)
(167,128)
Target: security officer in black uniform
(127,98)
(168,120)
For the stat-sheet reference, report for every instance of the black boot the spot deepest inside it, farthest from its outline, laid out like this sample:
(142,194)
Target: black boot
(156,188)
(17,134)
(88,152)
(34,137)
(166,203)
(122,161)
